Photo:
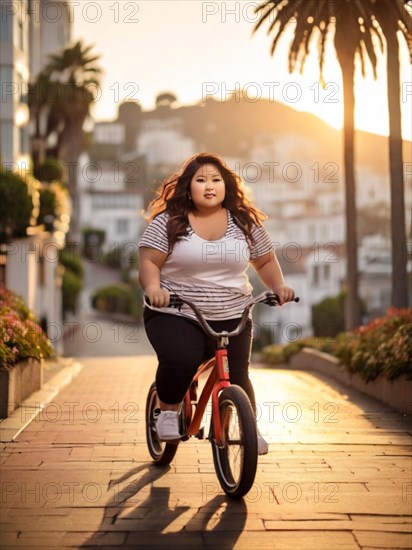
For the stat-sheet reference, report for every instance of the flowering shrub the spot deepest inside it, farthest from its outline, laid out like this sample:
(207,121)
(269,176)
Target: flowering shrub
(15,302)
(383,347)
(20,336)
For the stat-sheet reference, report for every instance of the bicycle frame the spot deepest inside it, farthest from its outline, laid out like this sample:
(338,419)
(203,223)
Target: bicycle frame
(219,376)
(218,380)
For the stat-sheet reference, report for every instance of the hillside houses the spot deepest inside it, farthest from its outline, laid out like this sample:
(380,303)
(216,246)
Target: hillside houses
(292,164)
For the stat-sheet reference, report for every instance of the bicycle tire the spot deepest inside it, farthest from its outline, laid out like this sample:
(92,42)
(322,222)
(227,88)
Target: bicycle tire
(161,452)
(236,473)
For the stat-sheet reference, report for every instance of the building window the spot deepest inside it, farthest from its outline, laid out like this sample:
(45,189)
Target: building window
(23,140)
(22,88)
(20,34)
(31,10)
(122,226)
(6,21)
(6,79)
(326,272)
(7,141)
(311,233)
(42,272)
(315,275)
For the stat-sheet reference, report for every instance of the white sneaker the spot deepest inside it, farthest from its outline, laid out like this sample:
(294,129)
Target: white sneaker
(263,447)
(167,425)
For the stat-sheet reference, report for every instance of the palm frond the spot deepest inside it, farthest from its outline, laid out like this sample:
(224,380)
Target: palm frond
(357,26)
(305,29)
(271,6)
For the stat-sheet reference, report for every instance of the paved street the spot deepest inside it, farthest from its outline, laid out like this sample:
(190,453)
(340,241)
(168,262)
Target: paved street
(338,474)
(88,333)
(91,335)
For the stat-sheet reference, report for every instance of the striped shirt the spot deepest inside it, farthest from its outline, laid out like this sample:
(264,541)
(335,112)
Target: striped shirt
(211,274)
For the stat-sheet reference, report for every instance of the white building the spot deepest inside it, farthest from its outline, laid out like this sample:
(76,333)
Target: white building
(375,266)
(162,142)
(55,26)
(27,34)
(306,208)
(308,232)
(14,80)
(110,133)
(108,203)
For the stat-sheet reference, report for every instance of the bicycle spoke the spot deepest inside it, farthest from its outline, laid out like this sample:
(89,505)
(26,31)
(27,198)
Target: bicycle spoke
(236,457)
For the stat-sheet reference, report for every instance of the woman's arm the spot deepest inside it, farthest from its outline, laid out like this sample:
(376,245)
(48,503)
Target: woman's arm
(150,264)
(270,272)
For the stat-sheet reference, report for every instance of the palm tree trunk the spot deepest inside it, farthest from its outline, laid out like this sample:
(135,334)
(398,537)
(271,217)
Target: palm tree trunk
(352,302)
(398,222)
(73,152)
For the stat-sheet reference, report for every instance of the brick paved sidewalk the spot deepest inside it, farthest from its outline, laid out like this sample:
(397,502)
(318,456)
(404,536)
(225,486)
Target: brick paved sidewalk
(338,474)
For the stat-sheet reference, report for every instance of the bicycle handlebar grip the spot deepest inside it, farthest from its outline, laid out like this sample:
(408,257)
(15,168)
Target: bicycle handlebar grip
(175,301)
(273,300)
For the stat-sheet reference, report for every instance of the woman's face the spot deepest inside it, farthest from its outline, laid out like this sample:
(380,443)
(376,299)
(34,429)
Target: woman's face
(207,188)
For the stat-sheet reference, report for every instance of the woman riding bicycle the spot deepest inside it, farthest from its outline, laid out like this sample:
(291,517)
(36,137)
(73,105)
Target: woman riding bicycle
(203,234)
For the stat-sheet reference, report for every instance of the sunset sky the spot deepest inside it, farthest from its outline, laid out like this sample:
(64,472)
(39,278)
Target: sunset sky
(193,48)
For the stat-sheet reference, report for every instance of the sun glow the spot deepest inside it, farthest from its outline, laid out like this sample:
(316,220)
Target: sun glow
(141,60)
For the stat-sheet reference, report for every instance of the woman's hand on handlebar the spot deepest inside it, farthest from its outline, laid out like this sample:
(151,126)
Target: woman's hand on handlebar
(158,297)
(285,293)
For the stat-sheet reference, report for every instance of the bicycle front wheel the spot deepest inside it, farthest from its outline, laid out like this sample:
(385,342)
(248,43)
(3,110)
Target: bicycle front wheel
(236,459)
(161,452)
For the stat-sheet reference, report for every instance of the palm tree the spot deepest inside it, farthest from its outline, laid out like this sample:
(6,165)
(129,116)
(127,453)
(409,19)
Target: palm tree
(39,112)
(354,30)
(393,16)
(74,77)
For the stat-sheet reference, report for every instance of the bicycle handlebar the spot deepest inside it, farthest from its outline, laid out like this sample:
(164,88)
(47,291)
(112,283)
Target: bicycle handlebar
(265,297)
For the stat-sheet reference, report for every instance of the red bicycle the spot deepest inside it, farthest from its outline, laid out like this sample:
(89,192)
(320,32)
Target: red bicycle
(232,433)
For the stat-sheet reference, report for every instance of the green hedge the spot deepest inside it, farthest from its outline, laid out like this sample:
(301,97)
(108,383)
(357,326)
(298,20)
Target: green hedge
(277,354)
(328,316)
(383,347)
(120,298)
(19,205)
(72,261)
(71,287)
(120,257)
(54,206)
(72,283)
(48,207)
(50,170)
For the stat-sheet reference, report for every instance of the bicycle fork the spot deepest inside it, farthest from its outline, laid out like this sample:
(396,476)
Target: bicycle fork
(222,367)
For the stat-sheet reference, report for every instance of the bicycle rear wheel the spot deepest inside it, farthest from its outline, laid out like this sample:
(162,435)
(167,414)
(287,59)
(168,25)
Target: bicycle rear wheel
(161,452)
(236,460)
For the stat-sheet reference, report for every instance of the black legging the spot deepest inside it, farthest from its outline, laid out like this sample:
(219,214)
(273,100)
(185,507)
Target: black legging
(181,346)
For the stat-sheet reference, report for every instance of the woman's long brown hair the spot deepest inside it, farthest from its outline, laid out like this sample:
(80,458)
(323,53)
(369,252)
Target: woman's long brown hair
(173,197)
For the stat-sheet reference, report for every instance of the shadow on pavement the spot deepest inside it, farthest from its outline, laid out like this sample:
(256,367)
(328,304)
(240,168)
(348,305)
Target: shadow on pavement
(146,522)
